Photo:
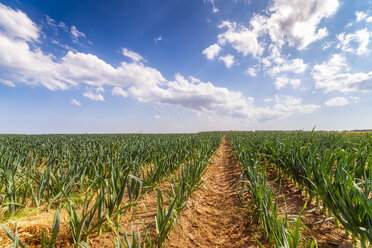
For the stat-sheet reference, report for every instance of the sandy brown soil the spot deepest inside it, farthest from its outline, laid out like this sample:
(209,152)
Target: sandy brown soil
(293,201)
(216,217)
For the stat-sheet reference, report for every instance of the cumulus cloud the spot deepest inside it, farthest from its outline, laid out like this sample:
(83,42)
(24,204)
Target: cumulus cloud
(334,75)
(229,60)
(95,95)
(360,15)
(287,105)
(129,79)
(296,21)
(212,51)
(25,65)
(252,71)
(337,101)
(296,66)
(340,101)
(360,37)
(16,24)
(132,55)
(281,82)
(242,39)
(117,91)
(207,98)
(75,102)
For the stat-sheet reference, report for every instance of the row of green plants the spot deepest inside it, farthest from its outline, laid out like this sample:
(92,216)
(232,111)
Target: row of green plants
(170,204)
(46,169)
(335,169)
(280,231)
(96,178)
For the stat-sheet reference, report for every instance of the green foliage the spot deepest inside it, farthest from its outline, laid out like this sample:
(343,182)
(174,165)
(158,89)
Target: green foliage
(111,172)
(333,167)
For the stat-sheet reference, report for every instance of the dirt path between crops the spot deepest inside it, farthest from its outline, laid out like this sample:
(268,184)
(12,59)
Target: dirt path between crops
(216,217)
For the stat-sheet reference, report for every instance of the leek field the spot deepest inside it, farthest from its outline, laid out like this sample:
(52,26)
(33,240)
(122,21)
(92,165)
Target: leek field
(86,190)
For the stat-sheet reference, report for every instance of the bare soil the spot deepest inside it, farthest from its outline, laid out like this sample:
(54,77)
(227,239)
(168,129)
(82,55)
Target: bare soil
(216,217)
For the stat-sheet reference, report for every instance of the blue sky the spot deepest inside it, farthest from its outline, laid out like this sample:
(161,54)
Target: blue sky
(184,66)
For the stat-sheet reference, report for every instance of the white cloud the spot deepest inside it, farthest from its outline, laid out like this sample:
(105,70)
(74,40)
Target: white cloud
(327,45)
(360,37)
(76,34)
(7,83)
(51,22)
(117,91)
(212,51)
(207,98)
(287,105)
(252,71)
(242,39)
(25,65)
(333,75)
(94,96)
(337,101)
(157,39)
(197,96)
(214,8)
(146,84)
(293,22)
(16,24)
(287,21)
(295,82)
(54,25)
(281,82)
(228,60)
(296,66)
(132,55)
(296,21)
(360,15)
(341,101)
(75,102)
(156,116)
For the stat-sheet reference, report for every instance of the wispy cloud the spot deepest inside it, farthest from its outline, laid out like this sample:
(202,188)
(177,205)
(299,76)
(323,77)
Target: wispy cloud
(157,39)
(132,55)
(76,34)
(75,102)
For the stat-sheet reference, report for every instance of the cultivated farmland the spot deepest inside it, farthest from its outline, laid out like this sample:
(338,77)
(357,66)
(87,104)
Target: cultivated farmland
(234,189)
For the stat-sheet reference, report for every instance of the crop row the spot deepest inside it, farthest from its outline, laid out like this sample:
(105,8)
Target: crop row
(96,178)
(333,168)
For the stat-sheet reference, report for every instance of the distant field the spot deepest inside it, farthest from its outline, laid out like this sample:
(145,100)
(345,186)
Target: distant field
(233,189)
(359,132)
